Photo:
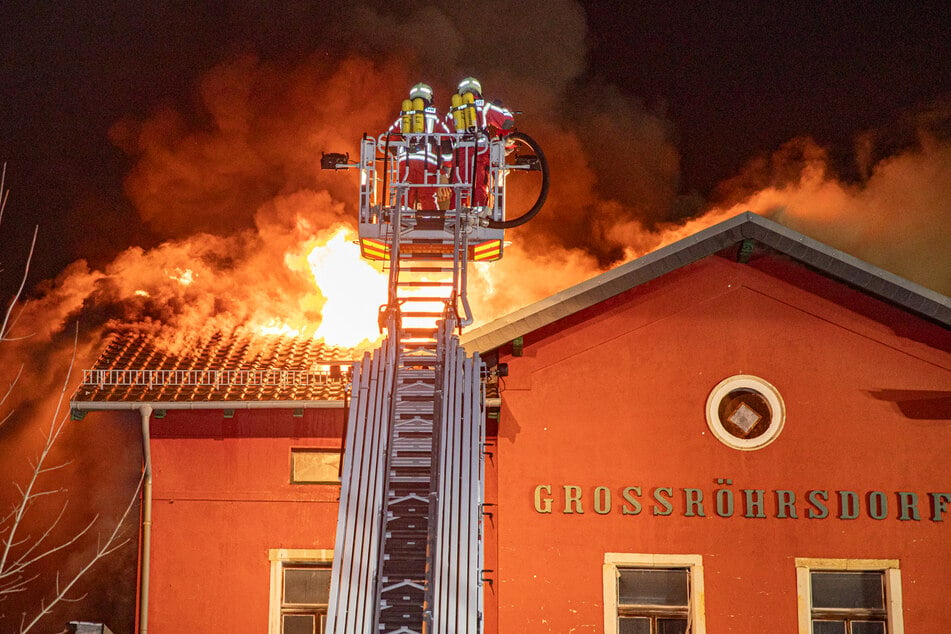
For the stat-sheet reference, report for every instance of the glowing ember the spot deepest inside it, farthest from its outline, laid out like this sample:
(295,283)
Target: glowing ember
(183,277)
(277,327)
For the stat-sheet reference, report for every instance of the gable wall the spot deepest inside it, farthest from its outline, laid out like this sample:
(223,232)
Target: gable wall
(615,396)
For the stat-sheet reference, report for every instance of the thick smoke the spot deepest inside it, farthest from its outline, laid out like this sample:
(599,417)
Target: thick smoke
(898,217)
(252,142)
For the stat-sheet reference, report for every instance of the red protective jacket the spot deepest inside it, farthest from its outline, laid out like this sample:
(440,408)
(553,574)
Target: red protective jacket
(471,160)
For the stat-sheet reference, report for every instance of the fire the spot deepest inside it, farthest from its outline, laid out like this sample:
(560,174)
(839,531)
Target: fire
(182,276)
(277,327)
(354,290)
(257,236)
(253,235)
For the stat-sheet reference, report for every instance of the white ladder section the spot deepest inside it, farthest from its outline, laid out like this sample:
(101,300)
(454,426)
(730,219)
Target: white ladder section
(408,556)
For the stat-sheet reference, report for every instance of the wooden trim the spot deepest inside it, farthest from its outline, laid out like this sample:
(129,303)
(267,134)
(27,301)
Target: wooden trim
(891,580)
(278,557)
(696,594)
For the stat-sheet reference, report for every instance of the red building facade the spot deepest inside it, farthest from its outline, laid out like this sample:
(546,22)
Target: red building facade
(746,431)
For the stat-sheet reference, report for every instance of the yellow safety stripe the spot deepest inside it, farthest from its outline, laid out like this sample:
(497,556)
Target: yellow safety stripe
(484,251)
(374,249)
(489,250)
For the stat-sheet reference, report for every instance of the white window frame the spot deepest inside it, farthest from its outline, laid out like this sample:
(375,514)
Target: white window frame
(891,574)
(280,557)
(693,564)
(762,387)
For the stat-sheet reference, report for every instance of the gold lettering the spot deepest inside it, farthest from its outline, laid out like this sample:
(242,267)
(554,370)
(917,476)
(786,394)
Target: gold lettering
(572,498)
(635,505)
(542,505)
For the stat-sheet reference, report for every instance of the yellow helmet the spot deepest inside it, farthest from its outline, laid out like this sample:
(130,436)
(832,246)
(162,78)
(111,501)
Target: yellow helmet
(422,91)
(470,84)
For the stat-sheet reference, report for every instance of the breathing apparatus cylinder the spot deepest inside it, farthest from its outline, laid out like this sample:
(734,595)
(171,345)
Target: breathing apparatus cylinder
(419,115)
(458,113)
(470,111)
(406,117)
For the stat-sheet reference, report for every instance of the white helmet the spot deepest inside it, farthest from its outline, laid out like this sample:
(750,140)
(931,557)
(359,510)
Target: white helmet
(470,84)
(421,90)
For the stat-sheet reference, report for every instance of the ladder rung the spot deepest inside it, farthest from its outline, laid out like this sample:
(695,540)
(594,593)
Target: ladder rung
(422,283)
(418,362)
(419,354)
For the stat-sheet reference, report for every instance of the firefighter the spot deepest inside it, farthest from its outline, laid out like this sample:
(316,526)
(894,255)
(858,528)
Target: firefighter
(481,119)
(424,158)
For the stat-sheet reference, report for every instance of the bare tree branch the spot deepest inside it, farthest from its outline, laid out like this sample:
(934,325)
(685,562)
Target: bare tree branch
(21,549)
(3,190)
(7,324)
(109,546)
(9,391)
(13,569)
(56,427)
(27,558)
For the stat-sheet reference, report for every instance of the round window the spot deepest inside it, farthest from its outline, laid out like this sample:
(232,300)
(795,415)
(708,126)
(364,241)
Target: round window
(745,412)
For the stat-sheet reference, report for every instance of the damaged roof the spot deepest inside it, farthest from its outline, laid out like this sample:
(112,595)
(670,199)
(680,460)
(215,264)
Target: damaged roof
(226,368)
(243,368)
(748,228)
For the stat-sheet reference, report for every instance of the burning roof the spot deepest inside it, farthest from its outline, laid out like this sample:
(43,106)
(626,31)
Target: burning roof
(246,366)
(239,366)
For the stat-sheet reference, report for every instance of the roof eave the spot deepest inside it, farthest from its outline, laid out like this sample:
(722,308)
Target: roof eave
(90,406)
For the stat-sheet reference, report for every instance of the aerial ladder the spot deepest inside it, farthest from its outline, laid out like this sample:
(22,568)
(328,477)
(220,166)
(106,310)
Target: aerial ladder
(408,555)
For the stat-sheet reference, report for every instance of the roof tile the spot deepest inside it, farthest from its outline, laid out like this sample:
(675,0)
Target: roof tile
(138,366)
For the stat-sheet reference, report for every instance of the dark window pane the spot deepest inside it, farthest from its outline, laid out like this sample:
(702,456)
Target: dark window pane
(298,624)
(828,627)
(634,626)
(847,590)
(671,626)
(745,413)
(652,586)
(868,627)
(306,586)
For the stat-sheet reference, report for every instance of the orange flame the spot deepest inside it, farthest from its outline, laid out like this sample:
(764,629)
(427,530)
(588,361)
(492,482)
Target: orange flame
(277,256)
(354,290)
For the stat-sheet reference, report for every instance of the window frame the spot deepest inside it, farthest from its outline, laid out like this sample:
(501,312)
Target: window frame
(891,582)
(281,558)
(766,390)
(695,592)
(313,450)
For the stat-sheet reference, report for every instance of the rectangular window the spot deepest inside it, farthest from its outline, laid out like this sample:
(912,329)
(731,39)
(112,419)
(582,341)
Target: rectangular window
(300,591)
(306,593)
(653,594)
(849,596)
(315,466)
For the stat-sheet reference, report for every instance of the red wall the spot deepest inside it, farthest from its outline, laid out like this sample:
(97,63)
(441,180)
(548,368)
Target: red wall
(221,500)
(615,397)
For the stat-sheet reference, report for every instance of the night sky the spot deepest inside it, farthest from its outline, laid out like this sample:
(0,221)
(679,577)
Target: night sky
(732,84)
